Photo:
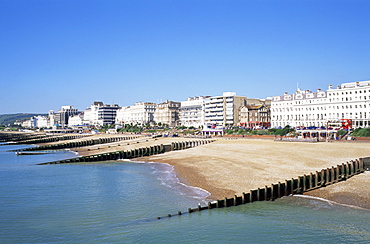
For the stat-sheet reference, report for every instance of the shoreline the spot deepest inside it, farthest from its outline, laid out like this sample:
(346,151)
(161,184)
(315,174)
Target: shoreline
(237,168)
(331,202)
(349,192)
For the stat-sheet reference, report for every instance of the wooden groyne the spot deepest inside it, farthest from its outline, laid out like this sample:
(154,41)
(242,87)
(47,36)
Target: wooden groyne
(292,186)
(81,143)
(47,139)
(20,136)
(134,153)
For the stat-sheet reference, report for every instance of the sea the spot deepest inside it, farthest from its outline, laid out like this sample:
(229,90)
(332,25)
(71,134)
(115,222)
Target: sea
(119,202)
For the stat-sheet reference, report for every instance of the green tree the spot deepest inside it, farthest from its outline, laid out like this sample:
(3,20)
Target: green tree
(282,132)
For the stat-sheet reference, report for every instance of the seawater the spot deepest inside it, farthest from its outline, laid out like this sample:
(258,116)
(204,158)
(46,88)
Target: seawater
(119,202)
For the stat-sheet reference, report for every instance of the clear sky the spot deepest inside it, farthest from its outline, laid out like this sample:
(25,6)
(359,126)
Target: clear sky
(75,52)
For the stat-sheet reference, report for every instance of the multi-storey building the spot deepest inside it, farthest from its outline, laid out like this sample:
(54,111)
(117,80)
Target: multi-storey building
(140,113)
(107,114)
(76,120)
(100,114)
(349,101)
(36,122)
(41,121)
(223,111)
(192,112)
(255,115)
(123,116)
(51,118)
(27,124)
(168,113)
(62,116)
(91,113)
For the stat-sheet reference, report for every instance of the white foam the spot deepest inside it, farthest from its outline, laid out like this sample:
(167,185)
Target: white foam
(167,176)
(330,202)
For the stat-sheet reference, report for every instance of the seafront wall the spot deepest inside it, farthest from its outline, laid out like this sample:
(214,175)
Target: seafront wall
(134,153)
(292,186)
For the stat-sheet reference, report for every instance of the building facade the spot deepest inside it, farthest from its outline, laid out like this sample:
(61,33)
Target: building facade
(100,114)
(107,114)
(192,112)
(255,116)
(76,120)
(91,114)
(63,114)
(140,113)
(347,102)
(168,113)
(223,111)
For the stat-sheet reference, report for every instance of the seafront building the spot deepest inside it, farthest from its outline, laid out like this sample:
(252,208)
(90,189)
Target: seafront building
(62,116)
(223,111)
(192,112)
(76,120)
(100,114)
(27,124)
(91,114)
(51,118)
(255,115)
(168,113)
(41,121)
(140,113)
(348,102)
(107,114)
(232,110)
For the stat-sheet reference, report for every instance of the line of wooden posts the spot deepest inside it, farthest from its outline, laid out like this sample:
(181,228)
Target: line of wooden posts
(14,137)
(134,153)
(82,143)
(292,186)
(46,139)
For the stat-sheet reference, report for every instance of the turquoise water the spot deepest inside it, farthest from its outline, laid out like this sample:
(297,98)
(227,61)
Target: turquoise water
(118,202)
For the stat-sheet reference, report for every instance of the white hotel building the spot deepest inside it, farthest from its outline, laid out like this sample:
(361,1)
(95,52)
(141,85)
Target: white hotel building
(192,112)
(306,108)
(223,111)
(140,113)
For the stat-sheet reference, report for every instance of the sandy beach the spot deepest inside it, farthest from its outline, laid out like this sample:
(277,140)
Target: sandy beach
(229,167)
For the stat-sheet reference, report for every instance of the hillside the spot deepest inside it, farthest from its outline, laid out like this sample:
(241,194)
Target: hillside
(9,119)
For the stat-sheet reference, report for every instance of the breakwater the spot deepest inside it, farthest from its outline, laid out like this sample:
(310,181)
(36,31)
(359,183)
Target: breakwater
(19,136)
(292,186)
(46,139)
(81,143)
(134,153)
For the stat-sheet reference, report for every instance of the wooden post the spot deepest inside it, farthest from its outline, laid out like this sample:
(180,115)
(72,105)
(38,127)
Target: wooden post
(334,174)
(361,164)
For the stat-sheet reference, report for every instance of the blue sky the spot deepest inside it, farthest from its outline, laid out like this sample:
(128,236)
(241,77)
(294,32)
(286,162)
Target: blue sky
(74,52)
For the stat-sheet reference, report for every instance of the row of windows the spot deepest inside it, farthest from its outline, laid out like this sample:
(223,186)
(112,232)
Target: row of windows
(317,108)
(348,98)
(298,117)
(346,93)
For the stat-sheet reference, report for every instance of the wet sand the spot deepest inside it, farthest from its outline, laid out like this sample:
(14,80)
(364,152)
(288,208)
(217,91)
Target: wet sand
(354,191)
(229,167)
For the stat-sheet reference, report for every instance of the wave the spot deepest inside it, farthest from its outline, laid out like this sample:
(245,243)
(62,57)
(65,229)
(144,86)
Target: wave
(74,152)
(330,202)
(167,176)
